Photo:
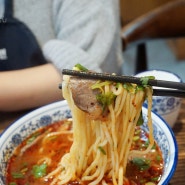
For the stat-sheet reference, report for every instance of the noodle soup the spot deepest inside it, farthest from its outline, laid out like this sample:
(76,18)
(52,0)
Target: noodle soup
(107,142)
(35,120)
(40,153)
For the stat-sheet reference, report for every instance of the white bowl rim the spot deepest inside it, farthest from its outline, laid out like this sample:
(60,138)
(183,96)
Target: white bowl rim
(160,70)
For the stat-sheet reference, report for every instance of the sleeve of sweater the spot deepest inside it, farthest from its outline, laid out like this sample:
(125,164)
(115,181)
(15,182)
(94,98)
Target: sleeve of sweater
(85,32)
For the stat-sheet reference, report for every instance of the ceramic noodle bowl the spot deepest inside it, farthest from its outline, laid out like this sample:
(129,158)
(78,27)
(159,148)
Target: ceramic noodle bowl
(165,106)
(43,116)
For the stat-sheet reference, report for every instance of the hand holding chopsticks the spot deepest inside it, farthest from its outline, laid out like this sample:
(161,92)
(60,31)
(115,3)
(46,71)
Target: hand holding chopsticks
(177,89)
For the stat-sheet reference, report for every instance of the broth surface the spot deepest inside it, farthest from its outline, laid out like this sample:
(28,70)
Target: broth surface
(40,154)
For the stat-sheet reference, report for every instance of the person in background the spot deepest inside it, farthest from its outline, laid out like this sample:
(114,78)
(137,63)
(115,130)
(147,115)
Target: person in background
(68,32)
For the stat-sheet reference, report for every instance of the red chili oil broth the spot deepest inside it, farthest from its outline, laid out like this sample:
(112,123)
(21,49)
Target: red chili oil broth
(20,166)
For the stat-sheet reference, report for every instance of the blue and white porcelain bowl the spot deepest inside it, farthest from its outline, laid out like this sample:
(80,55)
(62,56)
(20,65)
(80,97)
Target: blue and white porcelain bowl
(165,106)
(26,125)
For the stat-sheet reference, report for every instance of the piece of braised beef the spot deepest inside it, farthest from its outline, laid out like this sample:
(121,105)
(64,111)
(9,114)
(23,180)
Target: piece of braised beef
(85,97)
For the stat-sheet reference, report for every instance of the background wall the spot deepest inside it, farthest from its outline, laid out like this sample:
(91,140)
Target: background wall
(131,9)
(162,54)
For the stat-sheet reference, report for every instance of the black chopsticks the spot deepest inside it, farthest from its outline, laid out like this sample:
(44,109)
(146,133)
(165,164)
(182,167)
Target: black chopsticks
(169,92)
(177,89)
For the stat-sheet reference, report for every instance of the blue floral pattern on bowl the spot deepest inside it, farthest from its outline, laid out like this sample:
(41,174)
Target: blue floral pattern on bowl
(164,105)
(60,110)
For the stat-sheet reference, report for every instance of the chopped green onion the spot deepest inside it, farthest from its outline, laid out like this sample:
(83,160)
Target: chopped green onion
(140,121)
(129,87)
(79,67)
(17,175)
(158,158)
(105,99)
(39,170)
(155,178)
(139,88)
(141,163)
(102,150)
(154,146)
(12,183)
(136,138)
(117,85)
(147,143)
(145,79)
(33,137)
(137,131)
(149,183)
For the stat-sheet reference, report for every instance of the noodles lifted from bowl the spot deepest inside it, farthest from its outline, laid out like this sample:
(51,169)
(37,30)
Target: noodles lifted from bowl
(101,147)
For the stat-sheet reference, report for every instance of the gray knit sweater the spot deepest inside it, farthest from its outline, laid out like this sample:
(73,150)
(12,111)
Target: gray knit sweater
(74,31)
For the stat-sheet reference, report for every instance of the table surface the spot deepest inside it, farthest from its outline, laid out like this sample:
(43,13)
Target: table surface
(179,130)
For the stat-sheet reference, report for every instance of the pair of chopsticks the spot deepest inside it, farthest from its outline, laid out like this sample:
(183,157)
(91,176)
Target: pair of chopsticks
(176,89)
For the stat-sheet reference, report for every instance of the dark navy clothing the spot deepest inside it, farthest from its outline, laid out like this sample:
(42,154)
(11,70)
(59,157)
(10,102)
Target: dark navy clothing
(18,46)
